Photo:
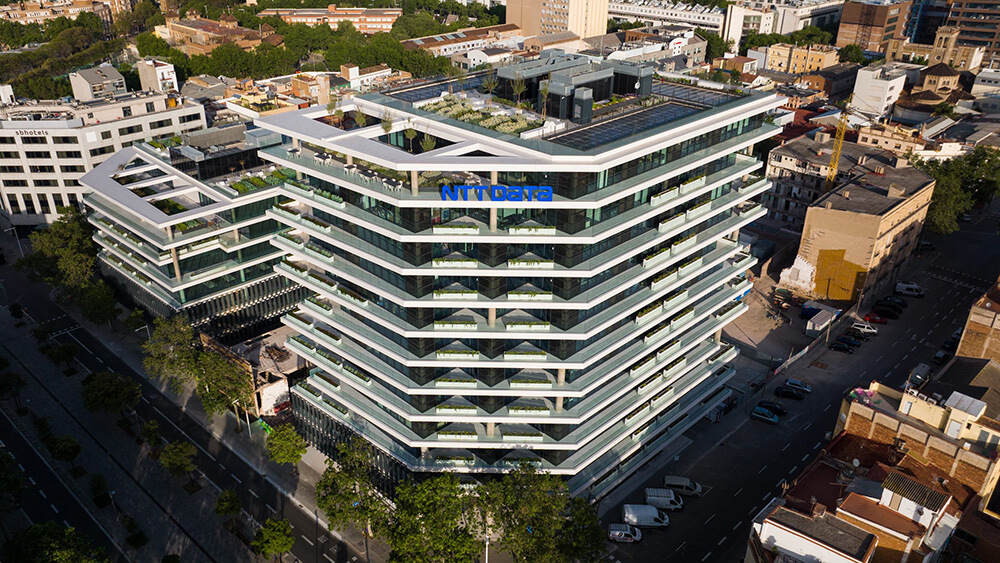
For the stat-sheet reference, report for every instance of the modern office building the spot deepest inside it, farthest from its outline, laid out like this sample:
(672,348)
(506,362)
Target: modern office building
(508,288)
(870,24)
(199,247)
(585,18)
(658,12)
(47,145)
(978,24)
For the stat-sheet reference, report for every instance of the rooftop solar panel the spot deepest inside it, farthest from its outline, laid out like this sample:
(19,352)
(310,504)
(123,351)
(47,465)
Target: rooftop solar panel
(431,91)
(693,93)
(597,134)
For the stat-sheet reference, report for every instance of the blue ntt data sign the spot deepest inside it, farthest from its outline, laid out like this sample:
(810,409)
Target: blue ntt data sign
(496,193)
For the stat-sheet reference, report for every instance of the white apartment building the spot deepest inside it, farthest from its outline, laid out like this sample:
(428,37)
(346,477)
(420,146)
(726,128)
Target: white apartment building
(157,75)
(664,11)
(778,16)
(741,22)
(877,88)
(585,18)
(47,145)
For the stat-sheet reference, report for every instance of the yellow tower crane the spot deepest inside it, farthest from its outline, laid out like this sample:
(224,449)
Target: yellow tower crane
(838,144)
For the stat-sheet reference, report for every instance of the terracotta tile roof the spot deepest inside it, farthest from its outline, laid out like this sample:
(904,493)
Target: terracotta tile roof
(867,509)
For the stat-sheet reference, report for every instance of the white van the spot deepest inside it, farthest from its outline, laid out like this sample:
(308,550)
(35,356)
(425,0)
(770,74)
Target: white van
(865,328)
(919,375)
(909,288)
(623,533)
(682,485)
(644,515)
(666,499)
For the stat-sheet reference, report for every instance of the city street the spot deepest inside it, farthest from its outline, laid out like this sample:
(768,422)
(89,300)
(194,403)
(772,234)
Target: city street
(215,460)
(744,463)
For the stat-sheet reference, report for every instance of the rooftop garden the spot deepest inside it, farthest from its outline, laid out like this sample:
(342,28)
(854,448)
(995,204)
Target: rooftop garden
(169,206)
(166,143)
(253,183)
(498,120)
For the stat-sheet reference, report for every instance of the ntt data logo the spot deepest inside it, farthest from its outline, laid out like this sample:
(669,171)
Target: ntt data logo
(496,193)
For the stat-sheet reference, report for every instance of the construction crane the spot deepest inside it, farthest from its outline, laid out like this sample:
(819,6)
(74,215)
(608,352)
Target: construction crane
(838,143)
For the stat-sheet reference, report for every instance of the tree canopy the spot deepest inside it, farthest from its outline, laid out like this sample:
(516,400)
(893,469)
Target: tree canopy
(717,46)
(273,538)
(110,392)
(284,445)
(48,542)
(434,522)
(346,492)
(178,457)
(961,182)
(851,54)
(228,503)
(64,254)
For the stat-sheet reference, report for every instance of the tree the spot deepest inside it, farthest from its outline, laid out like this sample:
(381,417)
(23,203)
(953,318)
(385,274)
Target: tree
(284,445)
(518,87)
(178,458)
(63,353)
(528,509)
(852,54)
(64,254)
(135,320)
(11,487)
(717,46)
(110,392)
(151,433)
(48,542)
(410,134)
(544,91)
(221,383)
(273,538)
(227,504)
(11,385)
(434,523)
(427,143)
(386,122)
(581,537)
(960,182)
(97,303)
(811,35)
(64,448)
(490,83)
(346,493)
(170,352)
(360,118)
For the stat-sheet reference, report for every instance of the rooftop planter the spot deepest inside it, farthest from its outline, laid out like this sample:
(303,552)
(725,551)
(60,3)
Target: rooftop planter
(682,243)
(671,223)
(663,279)
(455,263)
(457,355)
(674,367)
(529,410)
(351,296)
(456,459)
(322,280)
(453,409)
(318,250)
(292,239)
(675,298)
(455,229)
(749,210)
(635,414)
(454,382)
(723,349)
(524,383)
(532,230)
(682,317)
(641,431)
(663,197)
(299,189)
(307,343)
(287,211)
(656,257)
(690,265)
(329,334)
(699,209)
(668,349)
(319,303)
(455,294)
(524,355)
(723,311)
(316,223)
(295,315)
(331,199)
(693,184)
(642,365)
(328,356)
(656,334)
(647,314)
(529,295)
(540,326)
(357,373)
(531,264)
(336,406)
(310,389)
(521,436)
(458,434)
(455,325)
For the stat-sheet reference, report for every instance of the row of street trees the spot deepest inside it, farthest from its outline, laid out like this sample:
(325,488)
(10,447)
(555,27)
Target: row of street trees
(531,514)
(961,183)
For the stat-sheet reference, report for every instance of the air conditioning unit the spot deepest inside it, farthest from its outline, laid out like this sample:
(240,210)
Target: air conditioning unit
(912,391)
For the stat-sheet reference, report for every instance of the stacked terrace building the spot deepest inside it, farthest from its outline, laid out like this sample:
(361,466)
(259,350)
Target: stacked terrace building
(47,145)
(514,287)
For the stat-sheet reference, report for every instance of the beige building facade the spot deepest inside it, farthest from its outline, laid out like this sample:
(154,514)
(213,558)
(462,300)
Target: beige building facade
(585,18)
(945,49)
(42,12)
(794,59)
(981,337)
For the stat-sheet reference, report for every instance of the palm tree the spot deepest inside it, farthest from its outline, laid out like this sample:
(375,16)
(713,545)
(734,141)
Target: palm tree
(518,87)
(410,134)
(360,118)
(428,143)
(490,83)
(386,121)
(545,98)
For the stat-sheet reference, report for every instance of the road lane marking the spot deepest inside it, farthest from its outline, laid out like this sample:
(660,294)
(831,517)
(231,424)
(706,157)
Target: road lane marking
(906,356)
(271,508)
(65,523)
(237,478)
(912,349)
(737,525)
(89,351)
(32,481)
(99,359)
(806,427)
(738,492)
(878,358)
(767,496)
(21,467)
(778,486)
(328,558)
(752,510)
(680,546)
(761,470)
(895,366)
(786,447)
(710,518)
(818,444)
(805,457)
(707,555)
(54,509)
(793,469)
(307,540)
(828,406)
(165,417)
(253,493)
(44,496)
(145,400)
(722,540)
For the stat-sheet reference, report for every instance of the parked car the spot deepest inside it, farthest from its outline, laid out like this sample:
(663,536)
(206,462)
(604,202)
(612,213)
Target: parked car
(643,515)
(665,499)
(623,533)
(865,328)
(841,347)
(764,415)
(789,393)
(950,345)
(957,335)
(885,312)
(799,384)
(896,300)
(889,305)
(924,245)
(849,341)
(857,335)
(682,485)
(941,357)
(909,288)
(965,218)
(776,408)
(875,318)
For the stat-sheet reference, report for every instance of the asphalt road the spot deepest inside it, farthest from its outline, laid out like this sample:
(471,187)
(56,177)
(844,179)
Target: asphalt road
(748,467)
(45,498)
(261,499)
